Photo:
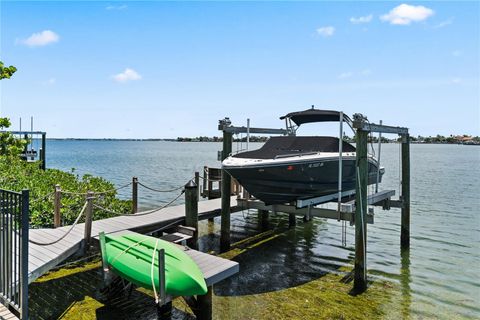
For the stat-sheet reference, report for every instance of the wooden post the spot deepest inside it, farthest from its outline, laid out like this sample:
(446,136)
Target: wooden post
(161,276)
(134,195)
(197,182)
(263,219)
(88,220)
(43,154)
(107,274)
(405,229)
(204,303)
(292,220)
(226,194)
(205,177)
(191,211)
(57,204)
(360,277)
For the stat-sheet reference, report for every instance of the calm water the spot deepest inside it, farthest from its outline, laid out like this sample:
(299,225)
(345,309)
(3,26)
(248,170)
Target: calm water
(438,276)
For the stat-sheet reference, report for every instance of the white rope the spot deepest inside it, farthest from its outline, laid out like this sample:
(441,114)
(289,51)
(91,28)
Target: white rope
(95,192)
(157,190)
(151,272)
(65,234)
(139,214)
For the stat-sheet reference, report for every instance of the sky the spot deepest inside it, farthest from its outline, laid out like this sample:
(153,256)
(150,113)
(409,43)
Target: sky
(168,69)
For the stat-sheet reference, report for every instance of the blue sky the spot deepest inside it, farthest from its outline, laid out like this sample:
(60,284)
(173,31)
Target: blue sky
(168,69)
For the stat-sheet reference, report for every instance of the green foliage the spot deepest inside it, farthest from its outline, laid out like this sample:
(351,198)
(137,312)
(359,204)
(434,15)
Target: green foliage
(6,72)
(9,144)
(17,175)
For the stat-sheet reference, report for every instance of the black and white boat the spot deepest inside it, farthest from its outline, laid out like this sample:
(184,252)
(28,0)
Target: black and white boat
(291,168)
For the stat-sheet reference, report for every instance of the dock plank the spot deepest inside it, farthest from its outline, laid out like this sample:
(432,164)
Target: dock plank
(44,258)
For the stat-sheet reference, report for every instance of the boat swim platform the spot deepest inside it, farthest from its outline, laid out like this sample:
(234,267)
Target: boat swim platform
(44,258)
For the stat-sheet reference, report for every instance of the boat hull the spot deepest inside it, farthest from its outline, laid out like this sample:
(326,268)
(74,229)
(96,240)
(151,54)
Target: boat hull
(130,256)
(277,183)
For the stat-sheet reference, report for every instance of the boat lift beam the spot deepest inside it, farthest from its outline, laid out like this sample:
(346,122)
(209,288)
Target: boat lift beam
(236,130)
(372,127)
(311,211)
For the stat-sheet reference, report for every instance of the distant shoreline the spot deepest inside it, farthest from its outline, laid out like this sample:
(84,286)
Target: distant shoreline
(220,140)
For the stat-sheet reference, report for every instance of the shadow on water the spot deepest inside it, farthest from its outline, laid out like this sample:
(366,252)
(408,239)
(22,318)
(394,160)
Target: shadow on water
(280,256)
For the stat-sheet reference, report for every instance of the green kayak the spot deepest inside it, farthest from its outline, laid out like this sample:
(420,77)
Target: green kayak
(130,256)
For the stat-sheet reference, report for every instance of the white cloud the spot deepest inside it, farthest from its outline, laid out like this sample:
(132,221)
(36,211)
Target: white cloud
(49,82)
(366,72)
(364,19)
(326,31)
(456,80)
(121,7)
(127,75)
(443,23)
(40,39)
(457,53)
(404,14)
(345,75)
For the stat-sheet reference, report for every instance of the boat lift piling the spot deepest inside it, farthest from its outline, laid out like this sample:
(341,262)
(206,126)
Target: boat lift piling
(228,131)
(348,210)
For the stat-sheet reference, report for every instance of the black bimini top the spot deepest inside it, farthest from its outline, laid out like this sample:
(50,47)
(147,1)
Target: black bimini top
(314,115)
(290,145)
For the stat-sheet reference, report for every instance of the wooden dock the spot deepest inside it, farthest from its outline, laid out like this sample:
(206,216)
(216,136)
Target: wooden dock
(44,258)
(5,314)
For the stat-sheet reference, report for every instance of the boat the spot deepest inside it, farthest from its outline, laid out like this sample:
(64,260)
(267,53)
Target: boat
(291,168)
(130,257)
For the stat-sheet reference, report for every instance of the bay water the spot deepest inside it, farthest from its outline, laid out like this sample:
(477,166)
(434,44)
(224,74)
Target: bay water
(438,276)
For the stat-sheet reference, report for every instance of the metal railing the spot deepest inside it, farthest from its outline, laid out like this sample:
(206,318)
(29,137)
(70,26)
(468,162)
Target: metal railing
(14,222)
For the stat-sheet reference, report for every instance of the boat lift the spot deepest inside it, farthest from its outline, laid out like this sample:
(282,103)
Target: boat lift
(351,204)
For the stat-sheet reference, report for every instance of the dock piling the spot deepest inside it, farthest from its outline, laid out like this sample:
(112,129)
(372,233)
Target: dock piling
(225,190)
(88,220)
(204,303)
(405,227)
(134,195)
(360,277)
(43,154)
(57,204)
(191,211)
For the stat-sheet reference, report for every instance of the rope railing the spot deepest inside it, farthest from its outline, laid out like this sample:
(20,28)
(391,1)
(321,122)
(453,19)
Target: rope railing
(142,213)
(95,192)
(157,190)
(66,233)
(43,198)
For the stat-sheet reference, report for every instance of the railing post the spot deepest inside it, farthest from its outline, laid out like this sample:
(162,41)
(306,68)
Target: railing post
(57,204)
(405,228)
(360,277)
(197,182)
(204,182)
(24,254)
(88,220)
(191,211)
(134,195)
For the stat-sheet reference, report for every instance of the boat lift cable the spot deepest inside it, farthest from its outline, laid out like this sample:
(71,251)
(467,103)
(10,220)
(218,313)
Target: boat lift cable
(65,234)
